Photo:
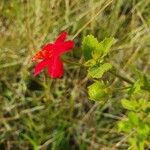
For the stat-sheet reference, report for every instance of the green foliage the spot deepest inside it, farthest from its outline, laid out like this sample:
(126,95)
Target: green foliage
(137,123)
(135,105)
(133,118)
(98,71)
(92,49)
(103,48)
(136,87)
(94,53)
(89,44)
(130,105)
(97,91)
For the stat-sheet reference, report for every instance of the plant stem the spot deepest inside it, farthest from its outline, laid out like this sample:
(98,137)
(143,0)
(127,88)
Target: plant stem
(113,73)
(72,63)
(122,77)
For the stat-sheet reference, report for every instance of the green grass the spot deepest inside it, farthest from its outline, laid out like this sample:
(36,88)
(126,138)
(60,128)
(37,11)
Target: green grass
(41,113)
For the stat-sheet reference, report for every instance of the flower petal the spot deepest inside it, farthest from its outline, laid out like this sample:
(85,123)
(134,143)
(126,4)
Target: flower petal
(40,66)
(61,38)
(48,47)
(55,68)
(59,49)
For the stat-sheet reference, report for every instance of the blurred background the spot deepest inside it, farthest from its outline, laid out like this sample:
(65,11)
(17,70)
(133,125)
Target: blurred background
(41,113)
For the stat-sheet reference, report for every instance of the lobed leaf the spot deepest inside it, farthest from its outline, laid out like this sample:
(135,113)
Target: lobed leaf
(133,118)
(97,91)
(98,71)
(106,45)
(128,104)
(92,48)
(89,44)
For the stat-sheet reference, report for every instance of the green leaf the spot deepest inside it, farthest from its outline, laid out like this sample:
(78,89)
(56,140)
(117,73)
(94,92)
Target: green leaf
(128,104)
(143,130)
(143,104)
(98,71)
(97,91)
(92,48)
(89,44)
(133,118)
(136,87)
(90,63)
(106,45)
(124,126)
(133,143)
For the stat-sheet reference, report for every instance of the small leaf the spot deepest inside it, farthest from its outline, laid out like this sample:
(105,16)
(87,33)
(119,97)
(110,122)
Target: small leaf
(92,48)
(89,44)
(133,142)
(143,104)
(98,71)
(106,45)
(97,91)
(133,118)
(127,104)
(143,129)
(124,126)
(90,63)
(136,87)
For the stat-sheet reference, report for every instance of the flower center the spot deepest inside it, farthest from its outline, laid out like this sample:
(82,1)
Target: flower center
(43,54)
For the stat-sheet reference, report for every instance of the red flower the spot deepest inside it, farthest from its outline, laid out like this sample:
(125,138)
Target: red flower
(50,56)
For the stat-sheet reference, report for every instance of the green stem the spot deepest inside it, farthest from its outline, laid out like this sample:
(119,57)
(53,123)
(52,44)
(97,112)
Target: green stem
(122,77)
(72,63)
(113,73)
